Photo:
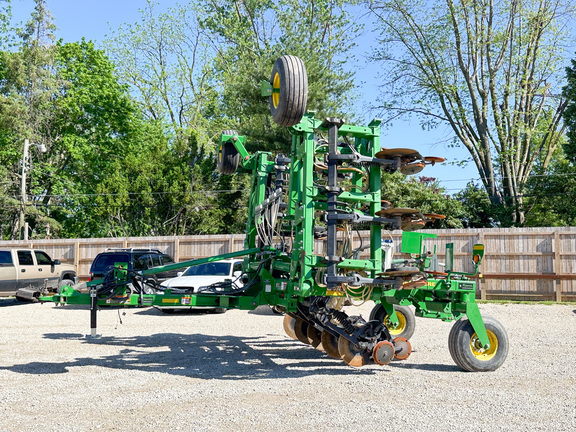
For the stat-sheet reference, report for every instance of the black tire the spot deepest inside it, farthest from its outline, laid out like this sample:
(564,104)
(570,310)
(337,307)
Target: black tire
(461,341)
(406,318)
(62,284)
(452,337)
(289,77)
(228,156)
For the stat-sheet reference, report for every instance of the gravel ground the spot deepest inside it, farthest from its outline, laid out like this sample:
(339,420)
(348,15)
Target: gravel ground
(239,372)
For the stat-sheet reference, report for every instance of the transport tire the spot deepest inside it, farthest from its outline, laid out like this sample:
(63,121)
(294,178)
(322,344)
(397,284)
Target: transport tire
(289,91)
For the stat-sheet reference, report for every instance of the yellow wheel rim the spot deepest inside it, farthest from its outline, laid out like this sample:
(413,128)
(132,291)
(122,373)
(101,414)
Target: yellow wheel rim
(400,327)
(481,353)
(276,91)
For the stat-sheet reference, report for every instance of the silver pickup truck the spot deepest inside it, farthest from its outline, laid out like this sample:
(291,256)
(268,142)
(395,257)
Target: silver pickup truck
(25,273)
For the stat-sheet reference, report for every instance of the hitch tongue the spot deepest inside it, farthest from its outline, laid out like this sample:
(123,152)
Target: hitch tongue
(28,294)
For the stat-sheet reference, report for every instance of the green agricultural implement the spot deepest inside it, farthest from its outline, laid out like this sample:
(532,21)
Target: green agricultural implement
(303,252)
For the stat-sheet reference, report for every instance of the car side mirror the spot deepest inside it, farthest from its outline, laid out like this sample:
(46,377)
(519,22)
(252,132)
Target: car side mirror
(179,274)
(56,262)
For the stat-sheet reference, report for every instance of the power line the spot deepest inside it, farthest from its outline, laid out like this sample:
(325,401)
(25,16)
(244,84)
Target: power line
(135,193)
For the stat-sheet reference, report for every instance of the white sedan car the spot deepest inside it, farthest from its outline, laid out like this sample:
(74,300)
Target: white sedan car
(204,277)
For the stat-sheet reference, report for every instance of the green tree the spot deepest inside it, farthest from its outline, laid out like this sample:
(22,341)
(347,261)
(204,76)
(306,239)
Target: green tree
(96,122)
(126,176)
(164,59)
(27,88)
(479,211)
(197,69)
(550,194)
(157,191)
(424,194)
(569,92)
(5,15)
(487,69)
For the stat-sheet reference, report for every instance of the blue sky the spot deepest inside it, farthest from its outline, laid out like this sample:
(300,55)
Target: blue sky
(94,19)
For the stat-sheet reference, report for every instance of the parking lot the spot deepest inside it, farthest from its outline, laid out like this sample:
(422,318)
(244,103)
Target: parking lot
(151,371)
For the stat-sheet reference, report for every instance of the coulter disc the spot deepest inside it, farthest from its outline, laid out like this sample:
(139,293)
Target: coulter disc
(301,331)
(315,337)
(289,326)
(330,344)
(352,354)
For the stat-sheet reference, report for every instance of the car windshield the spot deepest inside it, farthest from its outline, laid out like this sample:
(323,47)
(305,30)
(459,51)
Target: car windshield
(209,269)
(107,261)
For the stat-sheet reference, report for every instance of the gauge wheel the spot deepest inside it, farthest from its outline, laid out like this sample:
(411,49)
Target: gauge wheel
(330,344)
(406,320)
(315,337)
(289,326)
(467,352)
(289,90)
(352,354)
(301,331)
(228,156)
(383,353)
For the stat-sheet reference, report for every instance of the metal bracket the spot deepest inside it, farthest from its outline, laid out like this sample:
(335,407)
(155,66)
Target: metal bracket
(266,89)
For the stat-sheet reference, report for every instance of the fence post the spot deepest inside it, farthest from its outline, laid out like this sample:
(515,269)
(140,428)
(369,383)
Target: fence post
(77,257)
(557,265)
(176,250)
(481,280)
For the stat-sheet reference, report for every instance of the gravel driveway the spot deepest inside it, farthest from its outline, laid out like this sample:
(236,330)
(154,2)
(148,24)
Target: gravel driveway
(239,372)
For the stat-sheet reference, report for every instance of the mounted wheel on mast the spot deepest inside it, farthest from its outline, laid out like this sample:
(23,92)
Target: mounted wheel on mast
(288,90)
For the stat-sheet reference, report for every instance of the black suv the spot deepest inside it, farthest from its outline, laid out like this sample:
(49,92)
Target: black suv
(137,259)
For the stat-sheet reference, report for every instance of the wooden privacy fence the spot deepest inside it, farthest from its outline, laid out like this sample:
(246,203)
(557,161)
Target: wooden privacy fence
(519,263)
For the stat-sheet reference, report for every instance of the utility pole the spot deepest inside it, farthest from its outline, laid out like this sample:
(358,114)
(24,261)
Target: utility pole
(23,230)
